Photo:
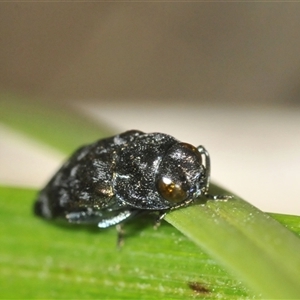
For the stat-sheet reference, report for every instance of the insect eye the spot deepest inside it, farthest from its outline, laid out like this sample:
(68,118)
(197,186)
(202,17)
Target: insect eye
(171,191)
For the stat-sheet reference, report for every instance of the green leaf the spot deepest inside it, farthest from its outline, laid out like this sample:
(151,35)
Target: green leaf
(42,259)
(59,126)
(256,248)
(64,261)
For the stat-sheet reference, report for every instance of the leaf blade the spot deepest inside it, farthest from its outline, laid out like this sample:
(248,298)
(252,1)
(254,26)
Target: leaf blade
(40,259)
(251,234)
(59,126)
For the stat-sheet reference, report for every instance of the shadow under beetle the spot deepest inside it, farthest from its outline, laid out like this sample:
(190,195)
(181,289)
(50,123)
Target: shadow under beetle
(116,178)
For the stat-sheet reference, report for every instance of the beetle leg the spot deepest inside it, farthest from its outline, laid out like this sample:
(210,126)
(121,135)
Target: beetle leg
(116,219)
(87,217)
(120,238)
(161,215)
(184,204)
(218,197)
(104,219)
(204,152)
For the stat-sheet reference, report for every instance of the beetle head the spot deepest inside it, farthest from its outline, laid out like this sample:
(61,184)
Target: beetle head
(181,175)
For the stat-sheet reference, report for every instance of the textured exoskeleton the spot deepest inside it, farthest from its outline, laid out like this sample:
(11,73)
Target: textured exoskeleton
(116,178)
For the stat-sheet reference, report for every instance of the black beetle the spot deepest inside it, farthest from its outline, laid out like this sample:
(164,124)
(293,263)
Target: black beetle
(116,178)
